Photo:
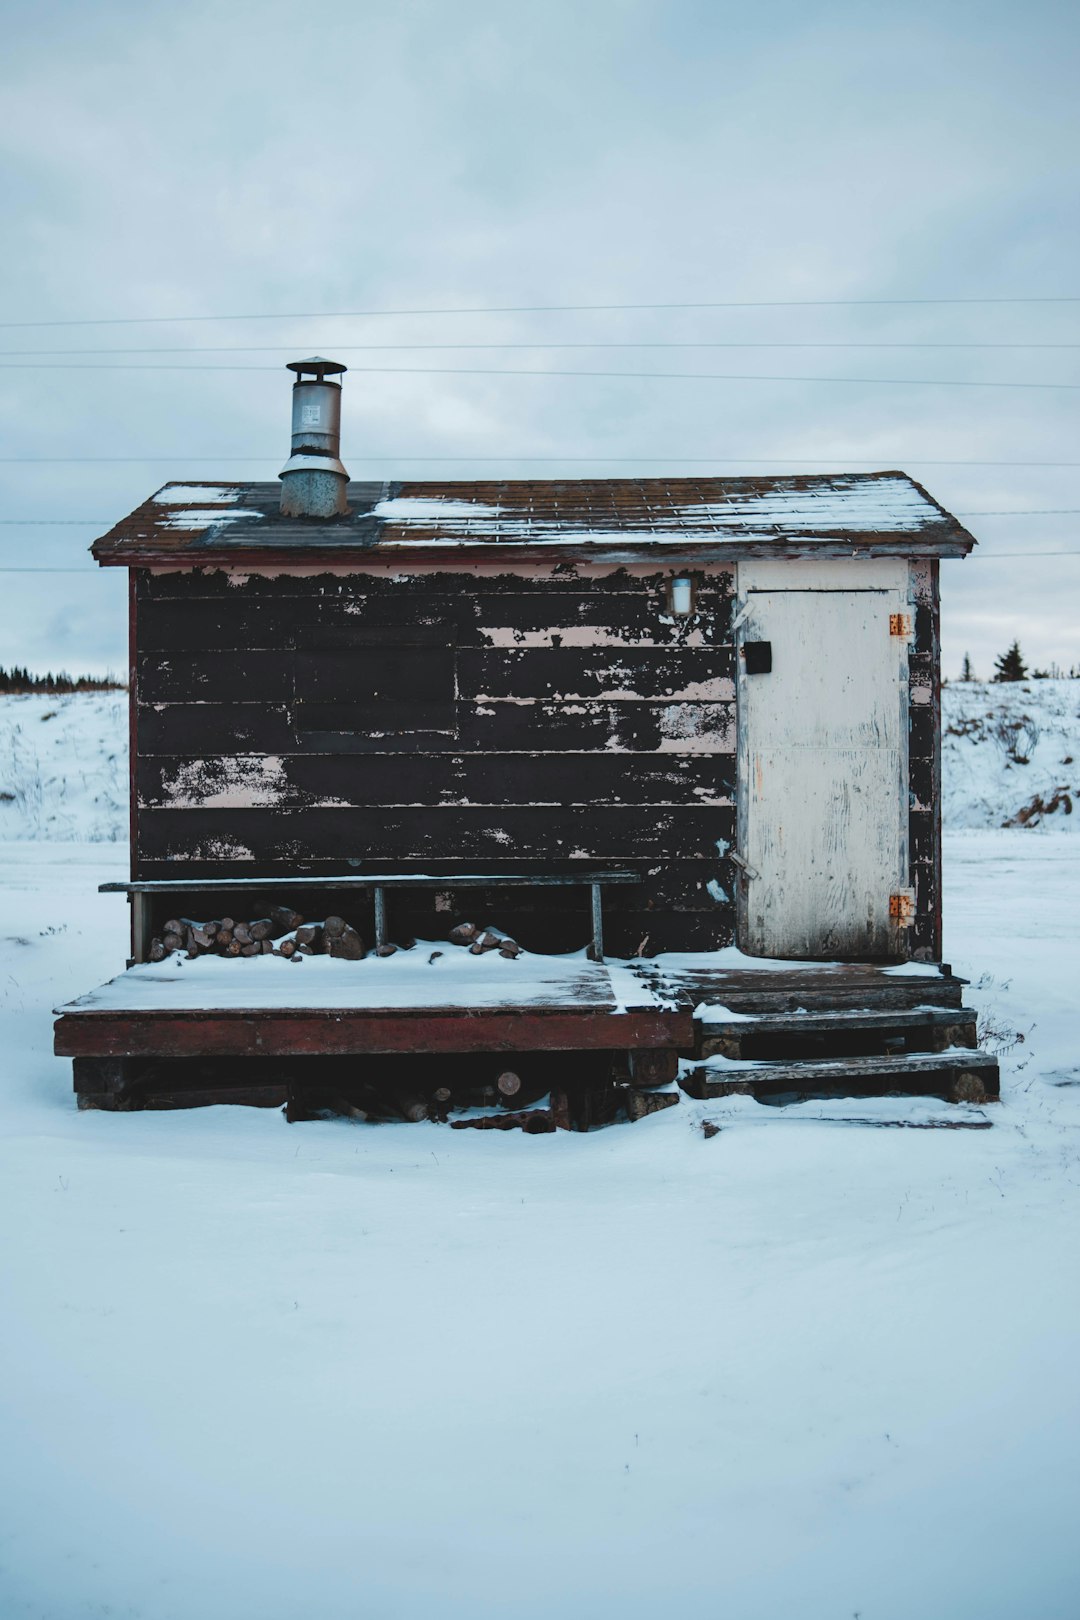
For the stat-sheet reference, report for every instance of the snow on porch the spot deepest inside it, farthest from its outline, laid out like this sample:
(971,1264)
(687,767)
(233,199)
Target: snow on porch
(433,975)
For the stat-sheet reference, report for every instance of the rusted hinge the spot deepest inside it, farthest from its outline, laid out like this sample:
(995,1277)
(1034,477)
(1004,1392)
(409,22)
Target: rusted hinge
(900,625)
(902,908)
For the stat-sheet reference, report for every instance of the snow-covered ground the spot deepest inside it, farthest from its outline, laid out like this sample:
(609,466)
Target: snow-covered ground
(261,1372)
(63,760)
(805,1367)
(1011,754)
(63,767)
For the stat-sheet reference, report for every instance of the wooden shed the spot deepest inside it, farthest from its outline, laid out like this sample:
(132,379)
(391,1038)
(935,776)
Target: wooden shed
(707,708)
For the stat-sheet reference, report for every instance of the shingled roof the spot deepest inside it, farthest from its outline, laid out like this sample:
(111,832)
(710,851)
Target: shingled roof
(615,520)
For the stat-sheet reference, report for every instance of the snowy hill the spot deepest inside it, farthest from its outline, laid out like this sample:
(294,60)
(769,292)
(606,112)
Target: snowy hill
(63,767)
(1011,754)
(1011,757)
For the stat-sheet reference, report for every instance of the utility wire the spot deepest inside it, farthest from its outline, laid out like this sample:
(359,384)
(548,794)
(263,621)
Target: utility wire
(382,348)
(535,309)
(508,371)
(632,461)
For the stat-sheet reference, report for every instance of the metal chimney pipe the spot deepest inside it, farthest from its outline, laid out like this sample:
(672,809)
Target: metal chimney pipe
(313,480)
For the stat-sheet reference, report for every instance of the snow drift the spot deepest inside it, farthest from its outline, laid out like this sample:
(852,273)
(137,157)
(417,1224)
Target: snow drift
(1011,754)
(63,767)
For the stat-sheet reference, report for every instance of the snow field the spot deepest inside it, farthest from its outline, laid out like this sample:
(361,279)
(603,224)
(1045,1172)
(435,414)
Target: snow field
(254,1372)
(63,767)
(1007,746)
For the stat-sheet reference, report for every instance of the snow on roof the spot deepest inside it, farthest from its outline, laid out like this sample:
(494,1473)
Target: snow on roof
(410,509)
(207,494)
(194,518)
(893,502)
(619,519)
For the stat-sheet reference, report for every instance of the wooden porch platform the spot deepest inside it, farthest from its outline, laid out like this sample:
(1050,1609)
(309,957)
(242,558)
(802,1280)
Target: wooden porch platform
(767,1029)
(429,1000)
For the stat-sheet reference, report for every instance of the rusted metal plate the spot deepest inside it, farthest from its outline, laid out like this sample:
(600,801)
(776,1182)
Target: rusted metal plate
(902,908)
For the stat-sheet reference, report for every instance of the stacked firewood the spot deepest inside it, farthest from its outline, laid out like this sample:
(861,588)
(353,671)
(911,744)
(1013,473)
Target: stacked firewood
(282,932)
(481,940)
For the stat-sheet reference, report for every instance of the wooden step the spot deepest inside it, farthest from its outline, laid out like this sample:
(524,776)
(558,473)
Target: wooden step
(959,1075)
(823,987)
(793,1036)
(890,1113)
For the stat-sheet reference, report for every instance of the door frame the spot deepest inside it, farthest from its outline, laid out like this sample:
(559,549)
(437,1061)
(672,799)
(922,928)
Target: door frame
(881,575)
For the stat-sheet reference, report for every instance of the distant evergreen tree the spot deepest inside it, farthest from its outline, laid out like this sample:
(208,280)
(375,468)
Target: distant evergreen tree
(967,673)
(18,682)
(1010,666)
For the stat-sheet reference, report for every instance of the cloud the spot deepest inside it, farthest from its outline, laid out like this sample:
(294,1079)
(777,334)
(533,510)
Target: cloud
(254,159)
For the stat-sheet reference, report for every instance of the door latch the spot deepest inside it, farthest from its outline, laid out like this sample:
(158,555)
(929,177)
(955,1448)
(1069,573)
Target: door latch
(758,656)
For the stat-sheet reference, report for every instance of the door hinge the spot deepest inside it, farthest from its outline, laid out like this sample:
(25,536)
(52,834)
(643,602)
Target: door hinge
(900,625)
(902,908)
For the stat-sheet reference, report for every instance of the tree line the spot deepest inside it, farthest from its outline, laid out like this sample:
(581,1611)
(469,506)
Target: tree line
(1010,666)
(18,681)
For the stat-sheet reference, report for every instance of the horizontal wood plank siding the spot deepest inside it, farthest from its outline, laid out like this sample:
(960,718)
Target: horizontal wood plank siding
(252,727)
(587,779)
(474,835)
(291,724)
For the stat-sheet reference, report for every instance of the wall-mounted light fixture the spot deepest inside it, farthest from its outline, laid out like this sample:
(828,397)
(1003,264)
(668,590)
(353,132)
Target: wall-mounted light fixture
(681,596)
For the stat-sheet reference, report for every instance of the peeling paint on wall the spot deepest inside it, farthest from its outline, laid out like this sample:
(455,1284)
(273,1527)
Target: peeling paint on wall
(590,636)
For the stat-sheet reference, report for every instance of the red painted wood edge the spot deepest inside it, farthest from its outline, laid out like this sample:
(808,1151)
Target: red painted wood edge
(341,1033)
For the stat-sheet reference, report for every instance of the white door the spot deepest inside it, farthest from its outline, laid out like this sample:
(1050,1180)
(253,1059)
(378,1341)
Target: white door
(823,802)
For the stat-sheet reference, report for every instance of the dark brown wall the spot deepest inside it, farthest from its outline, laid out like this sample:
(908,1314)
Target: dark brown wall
(449,722)
(445,722)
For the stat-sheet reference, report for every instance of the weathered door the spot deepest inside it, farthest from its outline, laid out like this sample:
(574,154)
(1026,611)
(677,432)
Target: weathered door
(823,803)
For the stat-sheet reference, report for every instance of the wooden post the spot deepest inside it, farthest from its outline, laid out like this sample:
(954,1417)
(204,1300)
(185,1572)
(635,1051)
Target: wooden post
(653,1065)
(597,951)
(140,927)
(380,917)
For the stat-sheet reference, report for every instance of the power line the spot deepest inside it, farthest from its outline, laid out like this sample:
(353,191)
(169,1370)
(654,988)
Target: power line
(621,461)
(635,376)
(382,348)
(536,309)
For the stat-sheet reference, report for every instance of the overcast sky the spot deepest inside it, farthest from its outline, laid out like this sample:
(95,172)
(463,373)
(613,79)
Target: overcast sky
(274,160)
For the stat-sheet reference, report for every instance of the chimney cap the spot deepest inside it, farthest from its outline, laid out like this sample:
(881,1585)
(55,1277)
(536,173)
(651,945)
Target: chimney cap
(317,366)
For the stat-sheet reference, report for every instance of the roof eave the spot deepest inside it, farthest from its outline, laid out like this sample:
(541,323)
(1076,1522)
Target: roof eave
(698,554)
